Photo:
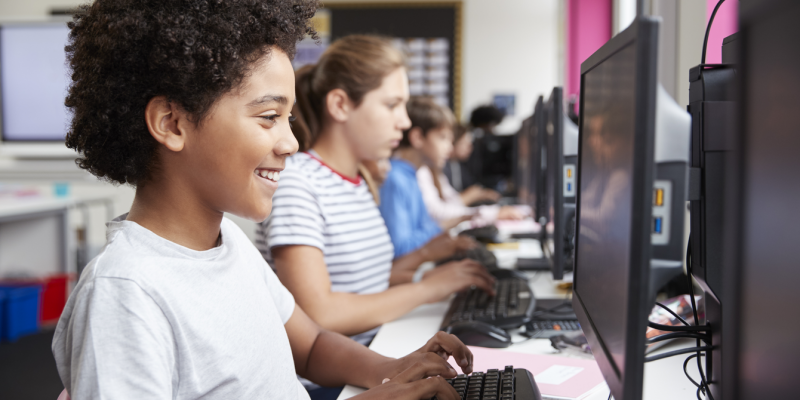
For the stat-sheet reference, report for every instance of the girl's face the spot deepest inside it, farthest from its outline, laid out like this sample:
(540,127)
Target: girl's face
(437,146)
(376,126)
(462,149)
(234,159)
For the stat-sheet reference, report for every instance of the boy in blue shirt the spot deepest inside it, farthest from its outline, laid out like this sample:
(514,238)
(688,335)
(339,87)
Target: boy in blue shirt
(429,142)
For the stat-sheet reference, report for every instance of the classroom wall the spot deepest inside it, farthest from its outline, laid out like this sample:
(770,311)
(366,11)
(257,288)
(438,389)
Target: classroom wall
(508,47)
(726,23)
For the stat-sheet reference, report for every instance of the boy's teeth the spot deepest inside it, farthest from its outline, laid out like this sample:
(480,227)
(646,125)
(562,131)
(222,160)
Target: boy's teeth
(271,175)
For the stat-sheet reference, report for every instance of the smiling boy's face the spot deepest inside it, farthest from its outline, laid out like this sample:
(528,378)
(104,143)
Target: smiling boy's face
(233,158)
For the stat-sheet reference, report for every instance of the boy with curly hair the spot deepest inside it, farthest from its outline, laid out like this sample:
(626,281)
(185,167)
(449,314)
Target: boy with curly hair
(189,101)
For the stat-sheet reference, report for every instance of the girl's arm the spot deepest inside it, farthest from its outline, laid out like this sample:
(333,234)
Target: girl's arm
(331,359)
(303,271)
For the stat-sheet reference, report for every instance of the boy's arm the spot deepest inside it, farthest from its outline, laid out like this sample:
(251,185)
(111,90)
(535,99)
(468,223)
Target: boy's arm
(330,359)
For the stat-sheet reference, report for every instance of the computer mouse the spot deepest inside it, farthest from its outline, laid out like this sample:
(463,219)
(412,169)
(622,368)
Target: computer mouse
(481,334)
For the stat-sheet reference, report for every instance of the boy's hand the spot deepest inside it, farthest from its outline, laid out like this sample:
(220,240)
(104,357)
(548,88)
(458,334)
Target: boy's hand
(441,246)
(422,374)
(464,243)
(424,379)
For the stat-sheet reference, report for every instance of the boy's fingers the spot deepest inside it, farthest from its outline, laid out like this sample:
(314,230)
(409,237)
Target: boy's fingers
(429,365)
(435,386)
(452,346)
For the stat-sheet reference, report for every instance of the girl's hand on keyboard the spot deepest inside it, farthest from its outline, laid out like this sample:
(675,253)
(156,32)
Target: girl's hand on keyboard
(423,379)
(456,276)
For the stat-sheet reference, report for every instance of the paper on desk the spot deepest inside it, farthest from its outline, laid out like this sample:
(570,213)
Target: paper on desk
(527,225)
(557,377)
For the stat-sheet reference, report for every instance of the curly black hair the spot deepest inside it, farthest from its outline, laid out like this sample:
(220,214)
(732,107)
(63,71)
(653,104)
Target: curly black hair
(125,52)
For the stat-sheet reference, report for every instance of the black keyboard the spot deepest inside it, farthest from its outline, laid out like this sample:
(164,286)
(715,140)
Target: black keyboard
(512,307)
(485,234)
(549,328)
(508,384)
(479,253)
(552,317)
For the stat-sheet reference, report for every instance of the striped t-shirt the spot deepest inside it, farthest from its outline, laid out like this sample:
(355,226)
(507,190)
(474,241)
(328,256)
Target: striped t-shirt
(315,206)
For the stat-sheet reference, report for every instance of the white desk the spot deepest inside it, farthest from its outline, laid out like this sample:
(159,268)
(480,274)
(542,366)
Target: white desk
(663,379)
(35,237)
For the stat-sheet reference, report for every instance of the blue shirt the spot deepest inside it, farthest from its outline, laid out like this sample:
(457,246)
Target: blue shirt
(410,226)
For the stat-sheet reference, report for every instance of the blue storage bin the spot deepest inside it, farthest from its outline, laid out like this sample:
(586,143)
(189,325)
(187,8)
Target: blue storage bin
(20,311)
(2,307)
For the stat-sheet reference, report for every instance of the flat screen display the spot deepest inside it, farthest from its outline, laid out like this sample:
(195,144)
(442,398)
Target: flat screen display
(33,82)
(606,172)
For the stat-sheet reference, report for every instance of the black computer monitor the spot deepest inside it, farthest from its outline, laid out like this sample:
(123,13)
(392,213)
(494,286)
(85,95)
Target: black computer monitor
(561,147)
(628,229)
(522,161)
(760,348)
(537,162)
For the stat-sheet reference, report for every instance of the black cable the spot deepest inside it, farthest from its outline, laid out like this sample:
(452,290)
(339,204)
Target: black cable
(704,386)
(676,335)
(677,328)
(708,30)
(685,372)
(677,352)
(673,313)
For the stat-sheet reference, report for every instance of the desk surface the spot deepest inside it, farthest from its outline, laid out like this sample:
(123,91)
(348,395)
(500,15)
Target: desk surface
(15,206)
(663,379)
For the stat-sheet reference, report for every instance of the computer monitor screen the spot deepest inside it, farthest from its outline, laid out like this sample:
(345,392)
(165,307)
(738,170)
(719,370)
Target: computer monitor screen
(614,211)
(759,347)
(560,178)
(606,170)
(34,80)
(522,161)
(538,161)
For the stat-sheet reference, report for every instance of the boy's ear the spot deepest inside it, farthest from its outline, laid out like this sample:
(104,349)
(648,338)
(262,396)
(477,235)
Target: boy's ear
(338,104)
(162,118)
(416,138)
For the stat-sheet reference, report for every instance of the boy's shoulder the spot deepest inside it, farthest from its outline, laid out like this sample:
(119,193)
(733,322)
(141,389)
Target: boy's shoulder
(134,253)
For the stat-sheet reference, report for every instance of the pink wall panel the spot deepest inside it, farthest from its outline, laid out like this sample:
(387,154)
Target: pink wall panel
(588,29)
(726,23)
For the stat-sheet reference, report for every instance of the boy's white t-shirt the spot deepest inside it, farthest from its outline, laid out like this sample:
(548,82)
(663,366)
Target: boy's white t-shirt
(150,319)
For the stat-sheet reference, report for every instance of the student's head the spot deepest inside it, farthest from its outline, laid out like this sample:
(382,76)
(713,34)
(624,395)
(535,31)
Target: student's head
(486,117)
(431,131)
(462,143)
(359,88)
(195,93)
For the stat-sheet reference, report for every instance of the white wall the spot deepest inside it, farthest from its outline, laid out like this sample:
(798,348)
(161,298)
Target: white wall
(23,9)
(510,46)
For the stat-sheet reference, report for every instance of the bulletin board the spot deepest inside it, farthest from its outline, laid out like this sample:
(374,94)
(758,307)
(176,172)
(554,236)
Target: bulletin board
(430,31)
